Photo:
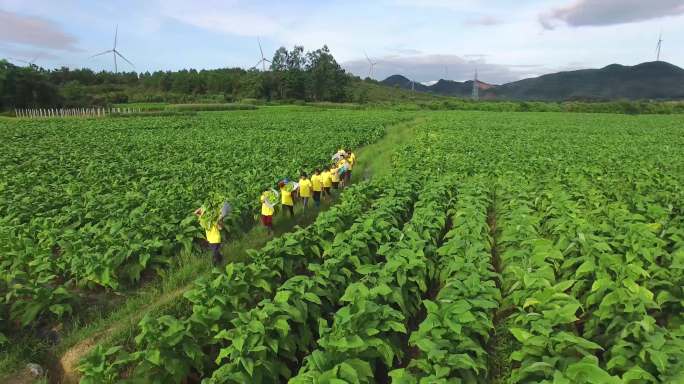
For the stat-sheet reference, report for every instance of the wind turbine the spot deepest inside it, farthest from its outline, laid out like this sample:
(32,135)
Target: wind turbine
(263,60)
(114,52)
(659,46)
(371,65)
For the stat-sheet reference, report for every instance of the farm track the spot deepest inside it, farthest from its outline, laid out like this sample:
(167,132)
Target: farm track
(498,346)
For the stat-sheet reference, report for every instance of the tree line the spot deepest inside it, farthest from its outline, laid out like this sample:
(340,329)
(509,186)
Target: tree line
(292,75)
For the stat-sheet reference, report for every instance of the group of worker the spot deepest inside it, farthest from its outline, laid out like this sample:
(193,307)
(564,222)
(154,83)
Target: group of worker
(319,186)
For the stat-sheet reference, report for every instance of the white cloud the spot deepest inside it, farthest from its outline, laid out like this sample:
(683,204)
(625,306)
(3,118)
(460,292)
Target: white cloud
(610,12)
(485,20)
(231,17)
(34,31)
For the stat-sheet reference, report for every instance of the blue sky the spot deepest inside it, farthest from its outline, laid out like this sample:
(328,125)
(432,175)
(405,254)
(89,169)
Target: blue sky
(426,40)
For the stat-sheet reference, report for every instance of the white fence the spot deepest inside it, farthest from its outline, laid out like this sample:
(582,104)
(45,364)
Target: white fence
(42,113)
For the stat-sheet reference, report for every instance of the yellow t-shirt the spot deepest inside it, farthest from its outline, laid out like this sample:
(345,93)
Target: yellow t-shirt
(214,234)
(286,197)
(352,160)
(304,187)
(327,179)
(317,182)
(335,175)
(265,209)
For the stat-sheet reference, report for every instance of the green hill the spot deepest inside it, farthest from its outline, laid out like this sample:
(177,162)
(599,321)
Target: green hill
(654,80)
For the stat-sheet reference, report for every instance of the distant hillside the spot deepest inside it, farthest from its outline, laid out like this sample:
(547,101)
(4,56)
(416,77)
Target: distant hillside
(653,80)
(402,82)
(442,87)
(372,91)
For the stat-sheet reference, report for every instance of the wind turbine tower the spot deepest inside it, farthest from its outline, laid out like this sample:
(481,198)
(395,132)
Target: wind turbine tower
(114,52)
(476,88)
(659,46)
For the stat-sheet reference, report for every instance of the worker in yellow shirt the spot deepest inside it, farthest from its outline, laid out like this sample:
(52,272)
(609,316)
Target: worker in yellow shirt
(267,209)
(327,181)
(335,174)
(351,158)
(213,232)
(342,168)
(304,189)
(317,186)
(286,197)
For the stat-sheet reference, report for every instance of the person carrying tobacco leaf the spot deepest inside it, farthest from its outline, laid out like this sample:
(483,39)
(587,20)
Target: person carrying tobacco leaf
(268,201)
(211,220)
(317,185)
(287,189)
(305,187)
(326,177)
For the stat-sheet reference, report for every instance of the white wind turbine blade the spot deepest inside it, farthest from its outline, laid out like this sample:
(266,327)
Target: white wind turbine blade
(19,60)
(35,58)
(125,59)
(260,50)
(101,53)
(370,64)
(116,35)
(263,59)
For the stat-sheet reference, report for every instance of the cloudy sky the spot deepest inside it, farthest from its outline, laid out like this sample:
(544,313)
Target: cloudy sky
(423,39)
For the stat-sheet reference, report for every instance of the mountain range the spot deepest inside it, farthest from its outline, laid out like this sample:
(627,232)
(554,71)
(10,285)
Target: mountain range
(652,80)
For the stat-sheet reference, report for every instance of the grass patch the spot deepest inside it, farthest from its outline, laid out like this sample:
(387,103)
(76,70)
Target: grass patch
(154,114)
(376,159)
(210,107)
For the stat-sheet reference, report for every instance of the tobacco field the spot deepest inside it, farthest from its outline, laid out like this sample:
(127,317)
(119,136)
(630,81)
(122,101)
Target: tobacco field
(502,247)
(87,205)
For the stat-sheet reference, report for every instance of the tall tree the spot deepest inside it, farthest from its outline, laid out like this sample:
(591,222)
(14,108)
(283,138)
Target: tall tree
(327,78)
